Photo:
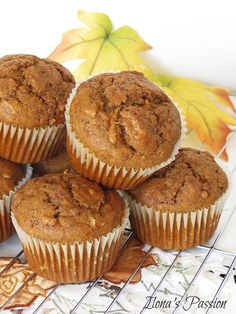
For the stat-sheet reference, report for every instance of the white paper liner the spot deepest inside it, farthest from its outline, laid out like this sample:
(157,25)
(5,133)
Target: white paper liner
(72,262)
(88,164)
(179,229)
(5,206)
(23,145)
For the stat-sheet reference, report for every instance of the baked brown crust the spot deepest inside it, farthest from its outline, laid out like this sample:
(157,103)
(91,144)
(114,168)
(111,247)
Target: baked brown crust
(56,164)
(10,175)
(125,119)
(193,181)
(33,91)
(66,208)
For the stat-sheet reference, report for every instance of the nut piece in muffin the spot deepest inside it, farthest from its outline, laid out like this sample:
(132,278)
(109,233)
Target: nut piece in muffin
(126,122)
(10,176)
(67,210)
(182,202)
(33,94)
(56,164)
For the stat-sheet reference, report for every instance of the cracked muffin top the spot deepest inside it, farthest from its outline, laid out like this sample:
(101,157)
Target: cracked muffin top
(192,181)
(125,119)
(67,207)
(56,164)
(10,175)
(33,91)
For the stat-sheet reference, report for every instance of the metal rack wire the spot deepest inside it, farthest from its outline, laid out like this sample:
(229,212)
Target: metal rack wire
(93,284)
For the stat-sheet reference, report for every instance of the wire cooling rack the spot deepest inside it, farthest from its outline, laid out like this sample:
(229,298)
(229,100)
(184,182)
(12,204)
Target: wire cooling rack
(208,249)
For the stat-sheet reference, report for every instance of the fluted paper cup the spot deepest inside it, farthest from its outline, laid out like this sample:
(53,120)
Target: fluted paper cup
(6,228)
(23,145)
(175,229)
(91,166)
(72,262)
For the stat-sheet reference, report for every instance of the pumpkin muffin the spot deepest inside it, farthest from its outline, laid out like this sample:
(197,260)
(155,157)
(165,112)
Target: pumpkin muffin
(180,205)
(68,214)
(121,128)
(12,176)
(33,95)
(56,164)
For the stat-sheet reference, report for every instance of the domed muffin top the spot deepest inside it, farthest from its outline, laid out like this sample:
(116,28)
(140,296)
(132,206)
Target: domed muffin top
(193,181)
(67,207)
(33,91)
(125,119)
(10,175)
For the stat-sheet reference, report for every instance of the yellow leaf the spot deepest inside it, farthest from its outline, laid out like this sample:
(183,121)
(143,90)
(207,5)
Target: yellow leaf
(222,95)
(201,105)
(101,47)
(208,109)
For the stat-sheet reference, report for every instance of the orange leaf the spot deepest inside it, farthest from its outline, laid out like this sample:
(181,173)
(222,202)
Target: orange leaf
(127,262)
(222,95)
(201,105)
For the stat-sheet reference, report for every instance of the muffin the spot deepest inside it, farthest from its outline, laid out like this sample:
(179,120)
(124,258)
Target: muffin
(33,95)
(179,207)
(12,176)
(70,227)
(56,164)
(121,128)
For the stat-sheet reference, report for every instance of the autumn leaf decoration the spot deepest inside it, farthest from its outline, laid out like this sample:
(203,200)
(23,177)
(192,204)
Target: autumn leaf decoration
(203,107)
(127,263)
(100,47)
(208,109)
